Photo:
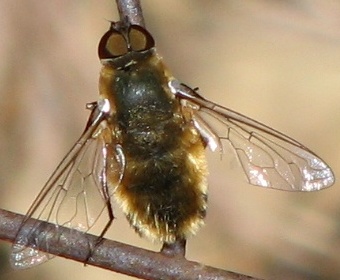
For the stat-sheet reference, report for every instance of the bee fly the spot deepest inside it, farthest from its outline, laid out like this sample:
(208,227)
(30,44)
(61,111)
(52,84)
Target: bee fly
(144,145)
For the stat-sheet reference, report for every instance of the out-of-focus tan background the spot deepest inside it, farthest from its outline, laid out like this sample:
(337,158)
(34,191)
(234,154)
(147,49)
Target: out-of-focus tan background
(276,61)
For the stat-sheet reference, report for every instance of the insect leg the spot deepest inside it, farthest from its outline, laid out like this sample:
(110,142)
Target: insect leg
(106,197)
(174,249)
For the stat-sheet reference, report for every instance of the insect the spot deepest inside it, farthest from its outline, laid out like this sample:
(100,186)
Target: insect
(143,148)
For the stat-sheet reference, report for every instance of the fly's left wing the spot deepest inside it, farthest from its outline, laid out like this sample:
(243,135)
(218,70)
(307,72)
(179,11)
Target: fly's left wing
(74,196)
(268,157)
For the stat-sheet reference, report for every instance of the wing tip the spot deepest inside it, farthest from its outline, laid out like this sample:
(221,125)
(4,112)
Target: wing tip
(23,257)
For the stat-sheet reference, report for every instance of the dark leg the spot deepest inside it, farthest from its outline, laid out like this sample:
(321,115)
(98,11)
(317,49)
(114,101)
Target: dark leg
(101,236)
(176,249)
(107,226)
(107,199)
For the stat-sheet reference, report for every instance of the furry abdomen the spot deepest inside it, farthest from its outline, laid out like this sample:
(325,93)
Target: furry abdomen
(164,195)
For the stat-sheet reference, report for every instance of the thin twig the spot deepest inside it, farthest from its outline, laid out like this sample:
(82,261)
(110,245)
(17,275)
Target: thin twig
(130,10)
(116,256)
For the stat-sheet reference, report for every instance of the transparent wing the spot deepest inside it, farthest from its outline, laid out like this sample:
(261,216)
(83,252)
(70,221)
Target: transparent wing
(73,196)
(268,157)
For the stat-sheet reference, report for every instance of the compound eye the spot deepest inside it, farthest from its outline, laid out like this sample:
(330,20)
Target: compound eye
(112,45)
(140,39)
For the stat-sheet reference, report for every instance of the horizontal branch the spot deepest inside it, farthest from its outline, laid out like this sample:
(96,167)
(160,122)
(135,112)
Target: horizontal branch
(116,256)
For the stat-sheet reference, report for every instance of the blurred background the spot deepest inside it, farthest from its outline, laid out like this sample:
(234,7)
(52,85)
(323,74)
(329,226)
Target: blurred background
(275,61)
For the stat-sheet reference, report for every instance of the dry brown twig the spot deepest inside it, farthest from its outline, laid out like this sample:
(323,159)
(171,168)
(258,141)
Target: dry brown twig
(116,256)
(131,10)
(110,254)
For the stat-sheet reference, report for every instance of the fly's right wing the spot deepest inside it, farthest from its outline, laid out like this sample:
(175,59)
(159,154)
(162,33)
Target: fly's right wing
(73,196)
